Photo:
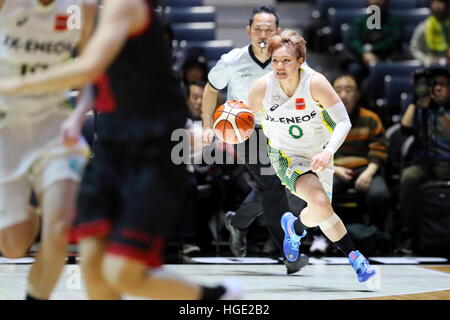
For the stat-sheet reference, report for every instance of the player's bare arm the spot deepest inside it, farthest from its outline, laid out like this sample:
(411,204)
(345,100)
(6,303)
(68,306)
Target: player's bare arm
(208,105)
(71,128)
(89,12)
(256,95)
(127,17)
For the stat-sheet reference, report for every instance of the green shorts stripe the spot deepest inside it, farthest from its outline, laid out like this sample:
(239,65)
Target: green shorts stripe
(282,166)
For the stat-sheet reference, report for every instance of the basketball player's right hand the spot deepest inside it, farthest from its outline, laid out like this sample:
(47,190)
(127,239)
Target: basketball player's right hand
(70,131)
(208,136)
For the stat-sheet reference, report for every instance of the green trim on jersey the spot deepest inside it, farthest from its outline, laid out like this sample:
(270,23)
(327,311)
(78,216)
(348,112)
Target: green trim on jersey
(327,121)
(282,166)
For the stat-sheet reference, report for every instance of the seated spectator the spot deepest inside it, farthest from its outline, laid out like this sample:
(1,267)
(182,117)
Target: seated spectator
(188,235)
(431,38)
(359,161)
(367,45)
(194,70)
(225,193)
(429,121)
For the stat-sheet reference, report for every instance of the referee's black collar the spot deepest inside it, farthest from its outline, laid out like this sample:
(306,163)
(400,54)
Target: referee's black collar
(259,63)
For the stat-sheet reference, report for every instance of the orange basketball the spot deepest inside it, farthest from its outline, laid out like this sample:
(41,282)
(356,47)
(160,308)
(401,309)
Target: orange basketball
(234,122)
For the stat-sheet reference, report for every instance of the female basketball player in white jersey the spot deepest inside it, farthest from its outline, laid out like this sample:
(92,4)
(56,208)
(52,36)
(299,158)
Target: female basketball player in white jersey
(34,36)
(305,122)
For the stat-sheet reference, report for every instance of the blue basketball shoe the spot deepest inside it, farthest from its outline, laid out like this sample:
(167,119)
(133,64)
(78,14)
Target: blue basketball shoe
(361,266)
(291,243)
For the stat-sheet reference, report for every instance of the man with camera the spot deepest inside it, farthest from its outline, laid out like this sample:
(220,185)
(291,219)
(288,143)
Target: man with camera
(429,121)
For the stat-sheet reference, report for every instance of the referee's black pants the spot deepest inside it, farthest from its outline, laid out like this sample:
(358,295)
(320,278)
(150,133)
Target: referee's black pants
(269,198)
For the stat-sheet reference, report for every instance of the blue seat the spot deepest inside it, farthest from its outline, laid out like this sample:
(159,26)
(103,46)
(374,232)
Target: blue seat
(423,3)
(404,4)
(324,5)
(412,16)
(183,3)
(211,50)
(408,32)
(190,14)
(394,87)
(194,31)
(397,68)
(338,17)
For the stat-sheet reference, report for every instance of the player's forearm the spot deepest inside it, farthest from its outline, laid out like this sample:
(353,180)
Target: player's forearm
(70,75)
(209,105)
(85,102)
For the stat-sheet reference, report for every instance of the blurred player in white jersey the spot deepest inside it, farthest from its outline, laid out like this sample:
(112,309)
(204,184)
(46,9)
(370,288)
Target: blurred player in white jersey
(36,35)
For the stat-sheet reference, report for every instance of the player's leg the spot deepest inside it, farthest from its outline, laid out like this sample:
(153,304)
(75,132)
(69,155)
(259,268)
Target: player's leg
(55,176)
(92,253)
(19,222)
(131,277)
(57,208)
(143,224)
(319,212)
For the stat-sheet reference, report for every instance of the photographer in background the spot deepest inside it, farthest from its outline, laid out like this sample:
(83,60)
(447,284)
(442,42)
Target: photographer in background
(429,121)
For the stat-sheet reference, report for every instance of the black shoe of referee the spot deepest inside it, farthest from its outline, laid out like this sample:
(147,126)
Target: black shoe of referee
(238,241)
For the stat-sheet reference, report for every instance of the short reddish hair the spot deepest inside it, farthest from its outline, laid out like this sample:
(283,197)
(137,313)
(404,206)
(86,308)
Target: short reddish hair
(291,40)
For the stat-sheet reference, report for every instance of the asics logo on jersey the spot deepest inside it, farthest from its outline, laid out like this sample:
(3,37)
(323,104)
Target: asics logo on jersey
(289,120)
(274,107)
(22,21)
(34,46)
(246,75)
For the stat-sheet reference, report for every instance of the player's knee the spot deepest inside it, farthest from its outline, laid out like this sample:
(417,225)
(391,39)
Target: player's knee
(321,203)
(57,232)
(12,249)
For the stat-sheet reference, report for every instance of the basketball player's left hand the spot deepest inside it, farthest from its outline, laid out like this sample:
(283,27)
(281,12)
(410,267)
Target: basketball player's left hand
(320,161)
(10,86)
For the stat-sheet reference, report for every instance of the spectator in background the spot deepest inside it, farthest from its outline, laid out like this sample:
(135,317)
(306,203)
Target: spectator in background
(194,92)
(358,163)
(368,46)
(188,235)
(429,121)
(195,69)
(431,38)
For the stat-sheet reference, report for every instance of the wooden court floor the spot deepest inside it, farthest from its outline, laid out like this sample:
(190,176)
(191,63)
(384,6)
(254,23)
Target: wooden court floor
(270,282)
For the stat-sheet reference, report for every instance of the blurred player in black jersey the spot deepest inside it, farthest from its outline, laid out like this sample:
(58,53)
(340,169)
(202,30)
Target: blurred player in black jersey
(131,191)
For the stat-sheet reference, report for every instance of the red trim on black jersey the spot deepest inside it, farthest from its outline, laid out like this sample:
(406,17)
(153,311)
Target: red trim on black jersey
(147,24)
(150,257)
(95,228)
(105,101)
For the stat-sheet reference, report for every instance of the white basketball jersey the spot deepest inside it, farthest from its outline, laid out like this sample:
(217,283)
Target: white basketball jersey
(298,124)
(34,37)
